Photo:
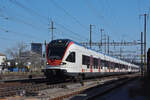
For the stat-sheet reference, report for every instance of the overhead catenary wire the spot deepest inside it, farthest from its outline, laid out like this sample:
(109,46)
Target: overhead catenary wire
(6,11)
(95,11)
(27,23)
(68,14)
(18,33)
(7,39)
(15,19)
(29,10)
(74,33)
(34,12)
(23,22)
(73,37)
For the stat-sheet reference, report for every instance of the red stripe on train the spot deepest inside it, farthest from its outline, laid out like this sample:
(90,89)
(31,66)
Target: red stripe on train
(109,66)
(91,69)
(113,67)
(82,70)
(99,69)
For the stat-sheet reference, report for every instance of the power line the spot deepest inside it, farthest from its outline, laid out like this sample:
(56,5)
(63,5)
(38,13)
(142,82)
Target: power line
(98,15)
(7,39)
(31,11)
(94,10)
(19,33)
(67,13)
(73,36)
(35,13)
(74,33)
(22,21)
(6,10)
(16,19)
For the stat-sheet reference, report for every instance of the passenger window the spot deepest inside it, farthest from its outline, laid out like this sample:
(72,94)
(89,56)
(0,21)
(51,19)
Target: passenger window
(71,57)
(86,60)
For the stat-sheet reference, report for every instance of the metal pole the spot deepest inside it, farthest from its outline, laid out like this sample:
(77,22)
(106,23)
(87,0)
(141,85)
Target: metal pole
(52,29)
(142,53)
(120,52)
(105,43)
(145,69)
(45,54)
(108,45)
(90,35)
(102,38)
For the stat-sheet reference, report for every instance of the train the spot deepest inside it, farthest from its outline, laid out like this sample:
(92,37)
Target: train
(69,59)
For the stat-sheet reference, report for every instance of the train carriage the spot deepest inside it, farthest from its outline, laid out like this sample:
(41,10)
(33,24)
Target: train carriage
(66,58)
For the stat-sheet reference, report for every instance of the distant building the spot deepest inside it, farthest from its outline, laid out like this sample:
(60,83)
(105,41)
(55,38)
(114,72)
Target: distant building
(37,48)
(2,60)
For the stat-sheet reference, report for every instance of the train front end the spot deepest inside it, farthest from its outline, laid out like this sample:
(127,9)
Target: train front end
(55,52)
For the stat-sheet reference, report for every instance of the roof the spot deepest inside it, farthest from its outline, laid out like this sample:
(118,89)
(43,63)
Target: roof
(2,54)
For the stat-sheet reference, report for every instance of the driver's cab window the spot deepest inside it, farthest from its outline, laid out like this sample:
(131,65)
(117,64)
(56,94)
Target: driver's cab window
(71,57)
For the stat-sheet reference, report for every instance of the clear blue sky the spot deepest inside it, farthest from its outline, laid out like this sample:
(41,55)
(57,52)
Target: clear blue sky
(28,20)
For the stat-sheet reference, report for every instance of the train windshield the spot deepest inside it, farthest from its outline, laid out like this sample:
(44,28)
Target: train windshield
(56,49)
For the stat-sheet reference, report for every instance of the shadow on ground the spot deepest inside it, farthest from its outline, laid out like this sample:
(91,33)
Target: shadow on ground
(143,88)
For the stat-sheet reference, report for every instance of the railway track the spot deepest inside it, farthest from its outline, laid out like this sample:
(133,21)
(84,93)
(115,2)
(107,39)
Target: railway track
(106,88)
(33,88)
(98,89)
(25,87)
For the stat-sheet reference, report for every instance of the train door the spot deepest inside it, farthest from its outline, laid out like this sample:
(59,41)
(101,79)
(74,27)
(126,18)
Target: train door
(78,63)
(99,65)
(129,68)
(109,66)
(91,63)
(113,67)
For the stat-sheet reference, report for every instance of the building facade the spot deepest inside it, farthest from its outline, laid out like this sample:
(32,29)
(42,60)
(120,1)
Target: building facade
(37,48)
(2,60)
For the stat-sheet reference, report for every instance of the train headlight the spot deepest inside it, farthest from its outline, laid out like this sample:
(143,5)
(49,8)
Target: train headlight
(63,63)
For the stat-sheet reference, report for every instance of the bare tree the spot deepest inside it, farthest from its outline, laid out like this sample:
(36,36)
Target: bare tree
(15,54)
(23,57)
(36,61)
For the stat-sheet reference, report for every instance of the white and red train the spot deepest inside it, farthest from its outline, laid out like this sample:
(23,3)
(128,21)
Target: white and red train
(66,58)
